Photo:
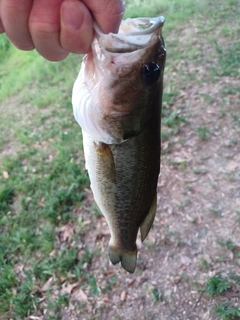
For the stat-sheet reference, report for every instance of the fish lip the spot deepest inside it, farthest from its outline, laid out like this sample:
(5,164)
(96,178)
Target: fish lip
(155,24)
(126,42)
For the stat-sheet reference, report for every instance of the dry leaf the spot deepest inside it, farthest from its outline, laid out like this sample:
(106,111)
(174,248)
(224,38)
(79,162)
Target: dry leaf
(5,175)
(123,296)
(69,288)
(109,272)
(47,285)
(101,235)
(176,280)
(66,233)
(186,260)
(41,203)
(79,295)
(131,283)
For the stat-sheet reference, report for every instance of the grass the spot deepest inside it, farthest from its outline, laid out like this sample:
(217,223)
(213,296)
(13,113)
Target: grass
(202,132)
(219,285)
(45,183)
(41,152)
(227,312)
(229,60)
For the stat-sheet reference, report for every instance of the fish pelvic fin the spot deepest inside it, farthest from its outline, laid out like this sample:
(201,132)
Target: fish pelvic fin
(148,221)
(128,259)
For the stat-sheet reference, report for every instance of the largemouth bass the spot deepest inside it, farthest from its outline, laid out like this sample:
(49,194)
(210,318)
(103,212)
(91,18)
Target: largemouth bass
(117,102)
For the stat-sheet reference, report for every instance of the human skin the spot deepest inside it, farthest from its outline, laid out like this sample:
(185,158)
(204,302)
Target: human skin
(57,27)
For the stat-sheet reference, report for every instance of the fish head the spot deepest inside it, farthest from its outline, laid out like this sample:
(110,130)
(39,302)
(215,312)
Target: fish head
(124,73)
(129,66)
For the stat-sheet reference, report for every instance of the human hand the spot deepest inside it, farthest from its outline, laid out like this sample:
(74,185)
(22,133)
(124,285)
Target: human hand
(57,27)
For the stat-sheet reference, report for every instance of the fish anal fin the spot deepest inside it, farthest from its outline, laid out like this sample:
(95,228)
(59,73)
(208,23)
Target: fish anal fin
(128,259)
(148,221)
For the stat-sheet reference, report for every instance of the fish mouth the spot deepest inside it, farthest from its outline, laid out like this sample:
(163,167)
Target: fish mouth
(134,34)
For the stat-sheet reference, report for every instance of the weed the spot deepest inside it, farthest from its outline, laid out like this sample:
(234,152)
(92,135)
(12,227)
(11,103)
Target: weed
(203,264)
(208,98)
(168,99)
(229,59)
(236,117)
(238,216)
(173,119)
(184,277)
(6,199)
(227,244)
(217,285)
(4,48)
(229,89)
(156,295)
(227,312)
(198,170)
(55,306)
(235,277)
(93,285)
(202,132)
(110,284)
(216,212)
(25,300)
(96,211)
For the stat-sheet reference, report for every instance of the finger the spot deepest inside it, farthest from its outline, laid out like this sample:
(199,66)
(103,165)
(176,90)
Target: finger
(107,13)
(1,27)
(44,24)
(76,27)
(14,15)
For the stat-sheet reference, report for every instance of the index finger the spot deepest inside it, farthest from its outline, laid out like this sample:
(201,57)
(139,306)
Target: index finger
(107,13)
(1,26)
(14,16)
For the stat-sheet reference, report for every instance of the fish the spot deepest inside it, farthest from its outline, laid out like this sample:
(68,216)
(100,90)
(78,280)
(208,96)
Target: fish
(117,100)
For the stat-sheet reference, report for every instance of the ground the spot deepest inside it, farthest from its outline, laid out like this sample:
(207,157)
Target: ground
(196,231)
(198,212)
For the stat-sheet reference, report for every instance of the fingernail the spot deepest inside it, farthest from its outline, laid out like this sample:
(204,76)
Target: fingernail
(71,16)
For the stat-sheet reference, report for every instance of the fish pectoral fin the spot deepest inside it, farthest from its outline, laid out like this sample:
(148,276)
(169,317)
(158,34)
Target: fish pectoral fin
(128,259)
(106,161)
(148,221)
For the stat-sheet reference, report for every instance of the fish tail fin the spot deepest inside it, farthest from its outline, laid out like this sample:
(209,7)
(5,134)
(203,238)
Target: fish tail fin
(148,221)
(128,259)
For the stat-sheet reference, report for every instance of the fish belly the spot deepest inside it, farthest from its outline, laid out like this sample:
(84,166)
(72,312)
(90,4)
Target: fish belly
(123,180)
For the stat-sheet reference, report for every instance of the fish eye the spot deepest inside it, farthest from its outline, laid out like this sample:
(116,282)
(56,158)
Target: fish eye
(151,72)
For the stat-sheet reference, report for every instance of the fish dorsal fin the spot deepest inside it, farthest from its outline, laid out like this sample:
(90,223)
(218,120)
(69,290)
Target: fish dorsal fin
(148,221)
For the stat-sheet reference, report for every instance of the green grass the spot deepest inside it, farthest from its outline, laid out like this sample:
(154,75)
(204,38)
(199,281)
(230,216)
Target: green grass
(227,311)
(41,150)
(217,285)
(229,59)
(202,132)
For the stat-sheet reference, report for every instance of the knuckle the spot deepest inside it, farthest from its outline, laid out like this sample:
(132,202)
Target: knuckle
(45,28)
